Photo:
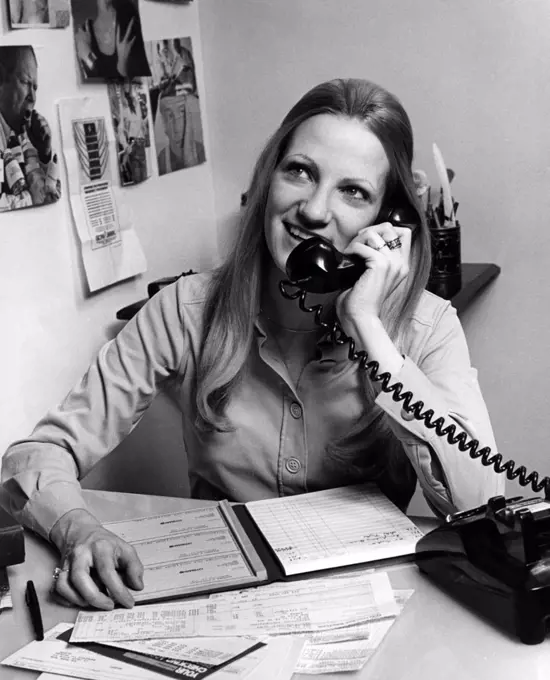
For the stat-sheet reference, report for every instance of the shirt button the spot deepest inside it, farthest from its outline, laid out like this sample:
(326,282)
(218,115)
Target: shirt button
(295,410)
(293,465)
(407,415)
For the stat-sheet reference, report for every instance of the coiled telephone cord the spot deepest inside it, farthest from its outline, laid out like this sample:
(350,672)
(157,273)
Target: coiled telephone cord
(465,444)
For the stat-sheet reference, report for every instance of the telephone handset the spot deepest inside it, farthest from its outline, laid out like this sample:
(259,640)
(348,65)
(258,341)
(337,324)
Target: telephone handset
(494,558)
(316,266)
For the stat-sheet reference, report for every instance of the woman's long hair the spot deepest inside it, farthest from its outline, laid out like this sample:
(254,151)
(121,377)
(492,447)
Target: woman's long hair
(233,300)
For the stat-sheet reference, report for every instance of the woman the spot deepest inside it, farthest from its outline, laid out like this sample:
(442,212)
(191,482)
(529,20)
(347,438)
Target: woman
(110,46)
(179,108)
(270,407)
(133,134)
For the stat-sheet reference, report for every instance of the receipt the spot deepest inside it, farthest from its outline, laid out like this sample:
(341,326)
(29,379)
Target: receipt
(338,657)
(224,617)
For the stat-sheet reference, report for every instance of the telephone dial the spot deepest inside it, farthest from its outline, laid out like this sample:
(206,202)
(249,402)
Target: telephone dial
(495,559)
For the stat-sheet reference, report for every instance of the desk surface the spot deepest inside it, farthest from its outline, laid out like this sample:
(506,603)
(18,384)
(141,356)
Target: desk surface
(434,637)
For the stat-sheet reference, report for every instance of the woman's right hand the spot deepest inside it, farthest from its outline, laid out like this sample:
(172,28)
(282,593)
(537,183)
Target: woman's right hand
(97,567)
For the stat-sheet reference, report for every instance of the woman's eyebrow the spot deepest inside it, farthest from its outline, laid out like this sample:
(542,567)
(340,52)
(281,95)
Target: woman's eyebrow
(302,156)
(359,180)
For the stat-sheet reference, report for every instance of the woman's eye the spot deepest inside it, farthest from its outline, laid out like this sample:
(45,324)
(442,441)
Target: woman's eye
(297,170)
(355,193)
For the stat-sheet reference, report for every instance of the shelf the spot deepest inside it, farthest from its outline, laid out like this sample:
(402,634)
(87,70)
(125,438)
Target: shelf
(475,276)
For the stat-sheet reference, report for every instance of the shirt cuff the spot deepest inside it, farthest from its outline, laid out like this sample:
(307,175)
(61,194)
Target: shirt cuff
(46,507)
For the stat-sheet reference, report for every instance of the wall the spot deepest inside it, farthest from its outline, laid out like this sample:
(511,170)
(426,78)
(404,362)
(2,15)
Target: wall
(51,326)
(473,77)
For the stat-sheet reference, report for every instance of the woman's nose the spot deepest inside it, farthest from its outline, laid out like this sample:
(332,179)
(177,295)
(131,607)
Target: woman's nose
(315,209)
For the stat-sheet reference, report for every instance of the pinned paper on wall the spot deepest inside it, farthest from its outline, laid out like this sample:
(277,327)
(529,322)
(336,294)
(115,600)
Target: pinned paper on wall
(175,104)
(39,13)
(110,248)
(129,113)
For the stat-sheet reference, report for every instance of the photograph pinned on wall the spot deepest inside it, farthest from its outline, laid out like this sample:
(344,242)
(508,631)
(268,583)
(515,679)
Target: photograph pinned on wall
(108,39)
(129,113)
(39,13)
(29,170)
(175,106)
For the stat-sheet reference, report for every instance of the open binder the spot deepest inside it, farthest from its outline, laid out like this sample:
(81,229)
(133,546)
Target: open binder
(224,547)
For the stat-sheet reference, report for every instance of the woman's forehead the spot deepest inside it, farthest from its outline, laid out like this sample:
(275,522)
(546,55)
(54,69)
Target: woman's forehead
(343,143)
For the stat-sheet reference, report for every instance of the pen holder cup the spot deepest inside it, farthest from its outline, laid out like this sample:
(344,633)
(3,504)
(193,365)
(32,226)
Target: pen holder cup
(446,271)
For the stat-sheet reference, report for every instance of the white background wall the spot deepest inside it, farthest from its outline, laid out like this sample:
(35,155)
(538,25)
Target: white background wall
(474,78)
(50,325)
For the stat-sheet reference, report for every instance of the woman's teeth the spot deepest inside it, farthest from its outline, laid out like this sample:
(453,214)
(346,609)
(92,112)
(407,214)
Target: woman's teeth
(296,232)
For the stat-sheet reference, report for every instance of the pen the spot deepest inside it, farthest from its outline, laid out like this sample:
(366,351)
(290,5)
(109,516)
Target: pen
(31,598)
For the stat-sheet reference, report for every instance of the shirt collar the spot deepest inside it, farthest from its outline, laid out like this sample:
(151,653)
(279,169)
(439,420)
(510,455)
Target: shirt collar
(7,133)
(327,350)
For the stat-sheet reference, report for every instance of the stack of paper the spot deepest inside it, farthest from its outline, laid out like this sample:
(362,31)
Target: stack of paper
(265,633)
(177,659)
(346,647)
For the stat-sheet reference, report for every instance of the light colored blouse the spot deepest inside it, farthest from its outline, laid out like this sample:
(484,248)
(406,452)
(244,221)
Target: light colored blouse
(281,430)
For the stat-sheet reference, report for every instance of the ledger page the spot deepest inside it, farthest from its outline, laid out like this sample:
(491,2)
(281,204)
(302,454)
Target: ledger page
(334,528)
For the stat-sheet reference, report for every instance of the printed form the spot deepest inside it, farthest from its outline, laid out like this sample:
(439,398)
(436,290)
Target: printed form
(308,607)
(334,528)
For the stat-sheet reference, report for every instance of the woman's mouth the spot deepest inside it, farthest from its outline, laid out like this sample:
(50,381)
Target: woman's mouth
(297,232)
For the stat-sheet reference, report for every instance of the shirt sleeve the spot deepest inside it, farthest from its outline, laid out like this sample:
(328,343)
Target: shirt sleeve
(40,474)
(445,382)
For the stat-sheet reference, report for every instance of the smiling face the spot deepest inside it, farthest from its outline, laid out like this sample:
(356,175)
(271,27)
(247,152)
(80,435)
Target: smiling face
(18,92)
(330,183)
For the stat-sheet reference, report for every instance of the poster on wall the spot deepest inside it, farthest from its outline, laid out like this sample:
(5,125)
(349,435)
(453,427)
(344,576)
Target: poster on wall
(108,39)
(39,13)
(110,248)
(29,171)
(175,105)
(129,113)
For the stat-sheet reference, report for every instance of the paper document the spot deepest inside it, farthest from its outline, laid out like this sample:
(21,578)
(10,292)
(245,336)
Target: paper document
(330,650)
(110,248)
(212,651)
(191,551)
(211,618)
(137,654)
(338,657)
(279,660)
(334,528)
(53,656)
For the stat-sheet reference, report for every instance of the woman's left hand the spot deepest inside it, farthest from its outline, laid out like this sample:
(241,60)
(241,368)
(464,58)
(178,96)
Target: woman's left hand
(386,268)
(124,44)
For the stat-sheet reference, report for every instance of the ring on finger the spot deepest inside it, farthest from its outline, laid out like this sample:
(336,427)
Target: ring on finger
(57,573)
(383,245)
(395,243)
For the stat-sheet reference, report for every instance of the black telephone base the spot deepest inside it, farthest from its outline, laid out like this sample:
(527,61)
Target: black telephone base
(495,559)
